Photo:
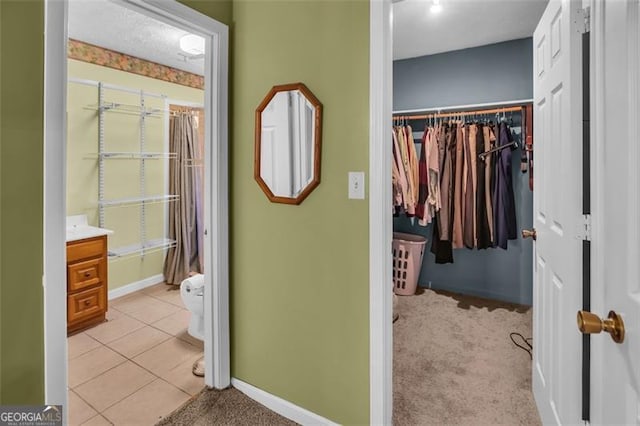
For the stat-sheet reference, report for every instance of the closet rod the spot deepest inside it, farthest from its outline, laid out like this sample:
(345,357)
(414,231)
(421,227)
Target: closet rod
(460,113)
(468,107)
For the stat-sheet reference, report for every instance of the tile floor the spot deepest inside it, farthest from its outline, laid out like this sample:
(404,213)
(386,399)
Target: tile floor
(135,368)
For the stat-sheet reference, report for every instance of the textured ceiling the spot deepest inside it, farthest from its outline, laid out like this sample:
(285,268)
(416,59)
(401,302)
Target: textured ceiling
(416,31)
(460,24)
(110,25)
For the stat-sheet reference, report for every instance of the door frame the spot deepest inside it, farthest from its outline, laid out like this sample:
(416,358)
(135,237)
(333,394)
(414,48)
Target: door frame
(380,218)
(608,281)
(598,190)
(216,345)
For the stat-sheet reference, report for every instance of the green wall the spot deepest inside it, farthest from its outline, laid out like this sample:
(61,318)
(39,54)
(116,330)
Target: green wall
(21,161)
(299,274)
(220,10)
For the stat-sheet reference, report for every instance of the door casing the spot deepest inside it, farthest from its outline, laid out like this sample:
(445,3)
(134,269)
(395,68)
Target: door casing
(381,338)
(615,101)
(380,219)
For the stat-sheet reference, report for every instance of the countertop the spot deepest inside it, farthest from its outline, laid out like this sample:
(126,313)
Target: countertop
(79,229)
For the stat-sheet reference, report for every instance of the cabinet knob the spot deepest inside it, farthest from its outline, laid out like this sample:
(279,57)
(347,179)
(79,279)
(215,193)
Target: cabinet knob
(87,302)
(87,274)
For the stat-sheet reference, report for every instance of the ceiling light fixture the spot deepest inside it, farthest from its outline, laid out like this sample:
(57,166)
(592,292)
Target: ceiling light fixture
(436,7)
(192,44)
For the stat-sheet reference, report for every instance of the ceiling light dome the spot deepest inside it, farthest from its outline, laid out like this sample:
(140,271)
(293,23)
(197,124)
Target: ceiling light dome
(192,44)
(436,7)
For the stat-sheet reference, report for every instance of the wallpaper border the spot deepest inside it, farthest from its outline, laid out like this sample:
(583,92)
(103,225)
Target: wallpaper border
(97,55)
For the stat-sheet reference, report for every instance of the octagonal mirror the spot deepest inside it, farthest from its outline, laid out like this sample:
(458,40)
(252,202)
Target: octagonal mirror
(287,146)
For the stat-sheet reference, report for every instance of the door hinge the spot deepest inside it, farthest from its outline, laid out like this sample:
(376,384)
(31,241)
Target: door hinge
(584,229)
(583,20)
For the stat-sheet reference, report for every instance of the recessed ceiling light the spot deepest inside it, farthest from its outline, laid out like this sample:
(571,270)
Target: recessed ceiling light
(436,7)
(192,44)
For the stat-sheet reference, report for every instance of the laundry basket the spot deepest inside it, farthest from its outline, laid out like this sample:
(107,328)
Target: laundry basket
(408,250)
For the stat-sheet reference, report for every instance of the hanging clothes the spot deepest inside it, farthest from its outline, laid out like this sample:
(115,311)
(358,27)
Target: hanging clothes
(451,176)
(395,183)
(465,194)
(489,143)
(405,169)
(402,183)
(410,203)
(433,163)
(527,125)
(441,244)
(483,240)
(503,197)
(447,137)
(468,218)
(473,137)
(413,164)
(423,181)
(457,189)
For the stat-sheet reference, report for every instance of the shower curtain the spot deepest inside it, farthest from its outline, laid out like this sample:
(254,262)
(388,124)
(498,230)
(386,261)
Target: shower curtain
(186,224)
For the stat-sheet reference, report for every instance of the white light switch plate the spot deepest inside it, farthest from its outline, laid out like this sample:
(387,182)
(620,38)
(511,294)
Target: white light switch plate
(356,185)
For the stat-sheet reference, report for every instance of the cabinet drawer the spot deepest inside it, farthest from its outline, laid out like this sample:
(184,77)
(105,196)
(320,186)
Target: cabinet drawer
(85,274)
(86,304)
(83,249)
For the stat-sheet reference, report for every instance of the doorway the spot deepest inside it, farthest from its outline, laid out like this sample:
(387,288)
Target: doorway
(613,92)
(215,59)
(380,231)
(460,109)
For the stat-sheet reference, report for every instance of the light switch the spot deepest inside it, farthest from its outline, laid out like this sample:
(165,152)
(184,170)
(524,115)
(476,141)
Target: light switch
(356,185)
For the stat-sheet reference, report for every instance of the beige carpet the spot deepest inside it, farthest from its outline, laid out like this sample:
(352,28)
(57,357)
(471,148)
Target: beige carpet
(454,363)
(227,407)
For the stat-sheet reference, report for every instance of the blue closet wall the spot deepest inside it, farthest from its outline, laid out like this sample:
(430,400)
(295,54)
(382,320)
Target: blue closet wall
(494,73)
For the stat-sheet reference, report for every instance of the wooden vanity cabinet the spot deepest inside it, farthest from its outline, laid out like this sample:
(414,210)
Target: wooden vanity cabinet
(86,283)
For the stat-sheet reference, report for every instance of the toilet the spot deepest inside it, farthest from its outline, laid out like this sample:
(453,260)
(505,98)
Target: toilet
(192,292)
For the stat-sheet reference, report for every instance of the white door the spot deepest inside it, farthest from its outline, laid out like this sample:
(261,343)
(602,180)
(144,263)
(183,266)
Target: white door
(615,391)
(557,274)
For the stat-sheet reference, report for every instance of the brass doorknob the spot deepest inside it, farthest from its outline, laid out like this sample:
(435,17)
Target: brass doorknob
(529,233)
(589,323)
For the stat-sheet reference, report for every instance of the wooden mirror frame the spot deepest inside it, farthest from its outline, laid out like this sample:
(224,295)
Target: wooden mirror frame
(317,143)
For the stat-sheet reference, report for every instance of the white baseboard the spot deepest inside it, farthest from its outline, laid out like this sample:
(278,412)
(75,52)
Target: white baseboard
(279,405)
(135,286)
